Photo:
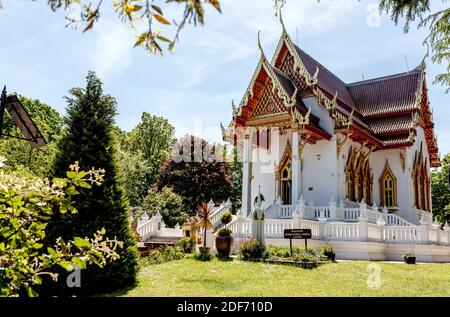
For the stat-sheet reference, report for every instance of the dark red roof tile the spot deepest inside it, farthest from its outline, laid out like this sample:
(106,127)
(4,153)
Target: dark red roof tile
(386,95)
(390,124)
(327,80)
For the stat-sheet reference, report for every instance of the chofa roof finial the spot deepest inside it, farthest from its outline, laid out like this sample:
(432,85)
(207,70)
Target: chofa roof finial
(282,23)
(259,44)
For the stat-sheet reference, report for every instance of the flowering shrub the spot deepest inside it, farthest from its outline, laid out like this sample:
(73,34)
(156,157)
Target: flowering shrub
(26,205)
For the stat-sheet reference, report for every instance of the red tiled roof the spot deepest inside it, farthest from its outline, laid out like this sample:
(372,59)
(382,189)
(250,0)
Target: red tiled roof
(285,81)
(386,95)
(393,124)
(327,80)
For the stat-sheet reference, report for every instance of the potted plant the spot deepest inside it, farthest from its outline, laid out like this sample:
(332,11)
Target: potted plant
(203,221)
(328,251)
(409,258)
(224,240)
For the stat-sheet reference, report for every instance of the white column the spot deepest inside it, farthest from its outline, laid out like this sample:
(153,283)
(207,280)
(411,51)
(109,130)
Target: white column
(295,167)
(245,176)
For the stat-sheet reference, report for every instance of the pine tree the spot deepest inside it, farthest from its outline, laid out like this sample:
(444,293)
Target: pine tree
(90,140)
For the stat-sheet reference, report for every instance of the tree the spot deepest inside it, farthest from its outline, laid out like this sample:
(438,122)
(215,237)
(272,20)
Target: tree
(168,204)
(438,24)
(204,212)
(440,191)
(91,141)
(26,204)
(19,153)
(196,172)
(138,15)
(146,148)
(135,173)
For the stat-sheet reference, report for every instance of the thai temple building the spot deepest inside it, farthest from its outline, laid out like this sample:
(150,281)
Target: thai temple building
(350,160)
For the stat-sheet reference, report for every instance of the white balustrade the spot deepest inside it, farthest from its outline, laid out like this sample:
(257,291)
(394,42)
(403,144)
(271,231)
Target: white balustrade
(342,231)
(275,227)
(321,211)
(351,214)
(401,234)
(314,226)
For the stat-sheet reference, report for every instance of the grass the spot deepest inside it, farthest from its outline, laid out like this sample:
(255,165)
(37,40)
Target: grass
(189,277)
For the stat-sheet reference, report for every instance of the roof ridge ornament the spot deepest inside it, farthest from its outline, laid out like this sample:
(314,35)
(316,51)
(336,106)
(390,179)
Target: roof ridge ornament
(260,46)
(284,33)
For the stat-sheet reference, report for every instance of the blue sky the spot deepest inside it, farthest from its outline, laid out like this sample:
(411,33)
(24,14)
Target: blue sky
(194,86)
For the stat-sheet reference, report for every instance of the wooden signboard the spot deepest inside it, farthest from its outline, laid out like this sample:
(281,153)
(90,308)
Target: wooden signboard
(298,234)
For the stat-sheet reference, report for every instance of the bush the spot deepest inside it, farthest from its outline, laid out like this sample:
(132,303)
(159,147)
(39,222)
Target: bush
(186,244)
(165,254)
(252,250)
(203,256)
(225,232)
(226,218)
(285,252)
(327,251)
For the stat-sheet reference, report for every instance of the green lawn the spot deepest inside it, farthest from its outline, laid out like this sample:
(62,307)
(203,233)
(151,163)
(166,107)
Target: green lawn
(189,277)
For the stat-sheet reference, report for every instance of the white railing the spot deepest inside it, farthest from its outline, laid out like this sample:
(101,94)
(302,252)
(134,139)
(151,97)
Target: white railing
(321,212)
(313,225)
(342,231)
(218,213)
(347,231)
(351,214)
(401,234)
(275,227)
(241,228)
(155,227)
(278,211)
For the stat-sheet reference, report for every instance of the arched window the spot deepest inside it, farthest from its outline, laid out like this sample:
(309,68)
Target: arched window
(388,187)
(421,182)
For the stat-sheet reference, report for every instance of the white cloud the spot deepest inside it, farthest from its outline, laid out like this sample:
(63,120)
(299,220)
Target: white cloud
(113,47)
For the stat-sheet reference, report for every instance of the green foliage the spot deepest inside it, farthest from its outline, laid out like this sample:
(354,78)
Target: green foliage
(168,204)
(236,178)
(186,244)
(138,15)
(195,174)
(252,249)
(204,220)
(135,173)
(440,192)
(327,251)
(225,232)
(203,256)
(438,24)
(226,218)
(26,205)
(144,149)
(19,153)
(90,139)
(165,254)
(306,258)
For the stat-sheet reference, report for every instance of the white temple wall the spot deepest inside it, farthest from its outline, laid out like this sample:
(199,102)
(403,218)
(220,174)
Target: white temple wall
(265,164)
(326,122)
(319,172)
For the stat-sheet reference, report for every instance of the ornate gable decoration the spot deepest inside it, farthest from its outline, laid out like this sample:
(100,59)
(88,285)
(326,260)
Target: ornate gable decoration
(276,87)
(311,81)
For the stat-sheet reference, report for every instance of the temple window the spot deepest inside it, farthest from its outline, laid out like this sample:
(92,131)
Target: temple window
(388,187)
(421,182)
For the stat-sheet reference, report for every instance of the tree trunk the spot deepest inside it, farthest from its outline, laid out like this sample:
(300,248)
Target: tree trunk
(204,237)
